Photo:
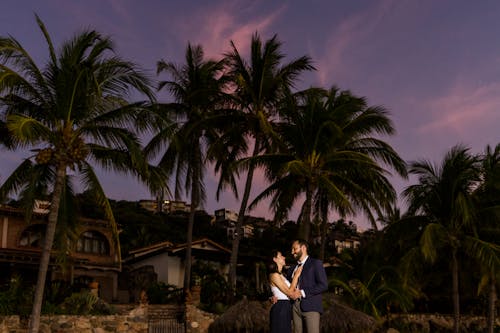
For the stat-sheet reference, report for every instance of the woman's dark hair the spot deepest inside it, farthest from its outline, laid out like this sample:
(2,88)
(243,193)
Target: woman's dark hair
(272,267)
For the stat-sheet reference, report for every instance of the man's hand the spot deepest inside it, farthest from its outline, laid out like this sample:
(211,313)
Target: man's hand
(273,299)
(296,294)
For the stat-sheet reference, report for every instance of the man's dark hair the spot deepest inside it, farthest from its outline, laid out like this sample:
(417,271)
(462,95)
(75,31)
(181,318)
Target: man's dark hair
(302,242)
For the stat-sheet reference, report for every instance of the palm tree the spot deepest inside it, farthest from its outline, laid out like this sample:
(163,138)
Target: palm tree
(392,215)
(331,156)
(488,196)
(443,197)
(376,293)
(198,89)
(260,84)
(5,137)
(69,113)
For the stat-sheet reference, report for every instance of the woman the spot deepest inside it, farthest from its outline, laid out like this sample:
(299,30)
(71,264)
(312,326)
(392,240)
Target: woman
(282,289)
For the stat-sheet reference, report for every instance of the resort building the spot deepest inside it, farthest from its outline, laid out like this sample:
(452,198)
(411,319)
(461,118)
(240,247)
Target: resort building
(166,206)
(346,243)
(92,260)
(164,262)
(225,218)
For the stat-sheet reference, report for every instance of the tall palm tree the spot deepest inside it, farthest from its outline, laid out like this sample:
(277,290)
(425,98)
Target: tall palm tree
(392,215)
(71,112)
(443,197)
(260,83)
(331,156)
(198,89)
(488,197)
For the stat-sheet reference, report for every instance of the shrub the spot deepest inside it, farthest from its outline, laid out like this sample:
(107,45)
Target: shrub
(80,303)
(162,293)
(16,298)
(214,287)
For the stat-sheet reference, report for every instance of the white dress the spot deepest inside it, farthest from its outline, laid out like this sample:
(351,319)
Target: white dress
(278,293)
(280,316)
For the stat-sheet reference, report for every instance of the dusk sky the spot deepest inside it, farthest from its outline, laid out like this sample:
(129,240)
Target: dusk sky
(435,65)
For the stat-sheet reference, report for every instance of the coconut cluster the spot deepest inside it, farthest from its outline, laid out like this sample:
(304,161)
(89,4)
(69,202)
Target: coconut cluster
(71,149)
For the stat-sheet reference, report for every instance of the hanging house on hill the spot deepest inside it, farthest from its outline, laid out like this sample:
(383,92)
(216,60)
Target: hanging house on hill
(94,257)
(164,262)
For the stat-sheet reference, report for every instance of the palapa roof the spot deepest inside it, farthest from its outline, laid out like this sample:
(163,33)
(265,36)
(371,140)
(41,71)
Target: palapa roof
(341,318)
(243,317)
(253,317)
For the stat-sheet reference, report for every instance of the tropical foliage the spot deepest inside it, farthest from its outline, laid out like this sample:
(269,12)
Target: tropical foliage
(320,148)
(260,84)
(197,88)
(330,154)
(443,199)
(69,113)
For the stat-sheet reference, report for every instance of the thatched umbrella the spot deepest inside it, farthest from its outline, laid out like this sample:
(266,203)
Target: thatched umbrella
(243,317)
(340,318)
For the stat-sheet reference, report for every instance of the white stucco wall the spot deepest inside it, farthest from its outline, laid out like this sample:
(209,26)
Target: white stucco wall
(168,269)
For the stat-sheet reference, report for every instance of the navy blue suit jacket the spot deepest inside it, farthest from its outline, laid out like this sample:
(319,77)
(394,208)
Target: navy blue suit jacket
(314,282)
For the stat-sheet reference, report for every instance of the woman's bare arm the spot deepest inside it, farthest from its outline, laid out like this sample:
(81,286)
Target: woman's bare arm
(277,281)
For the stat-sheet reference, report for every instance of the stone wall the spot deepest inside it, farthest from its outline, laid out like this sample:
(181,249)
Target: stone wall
(135,320)
(77,324)
(198,321)
(424,323)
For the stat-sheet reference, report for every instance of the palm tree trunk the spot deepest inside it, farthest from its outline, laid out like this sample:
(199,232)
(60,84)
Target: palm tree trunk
(189,238)
(324,224)
(241,216)
(492,297)
(189,243)
(305,223)
(456,295)
(34,323)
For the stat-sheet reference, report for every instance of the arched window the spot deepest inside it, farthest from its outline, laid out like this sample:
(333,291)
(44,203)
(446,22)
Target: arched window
(33,236)
(93,242)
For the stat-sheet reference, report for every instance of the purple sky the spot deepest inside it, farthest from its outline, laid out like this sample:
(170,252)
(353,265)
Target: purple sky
(435,65)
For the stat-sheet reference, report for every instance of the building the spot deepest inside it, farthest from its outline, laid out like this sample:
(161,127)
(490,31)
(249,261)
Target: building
(94,257)
(225,218)
(346,243)
(164,262)
(247,231)
(166,206)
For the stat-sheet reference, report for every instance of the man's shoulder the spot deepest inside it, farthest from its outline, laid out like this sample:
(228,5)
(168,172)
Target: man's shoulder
(310,262)
(315,260)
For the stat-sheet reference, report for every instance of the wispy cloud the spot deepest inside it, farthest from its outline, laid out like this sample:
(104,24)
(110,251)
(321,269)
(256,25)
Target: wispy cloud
(222,24)
(346,36)
(120,9)
(464,108)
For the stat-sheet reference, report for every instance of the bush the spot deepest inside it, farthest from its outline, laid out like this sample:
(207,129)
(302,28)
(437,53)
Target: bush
(79,303)
(57,291)
(16,298)
(6,304)
(162,293)
(214,287)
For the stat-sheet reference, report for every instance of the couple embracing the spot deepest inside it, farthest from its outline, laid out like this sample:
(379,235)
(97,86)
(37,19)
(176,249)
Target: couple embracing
(297,292)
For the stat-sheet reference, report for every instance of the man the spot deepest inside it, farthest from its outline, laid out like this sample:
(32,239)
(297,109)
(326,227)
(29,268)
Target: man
(307,308)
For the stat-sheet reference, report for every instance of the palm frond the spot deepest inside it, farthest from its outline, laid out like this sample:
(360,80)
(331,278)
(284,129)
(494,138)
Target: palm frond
(432,237)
